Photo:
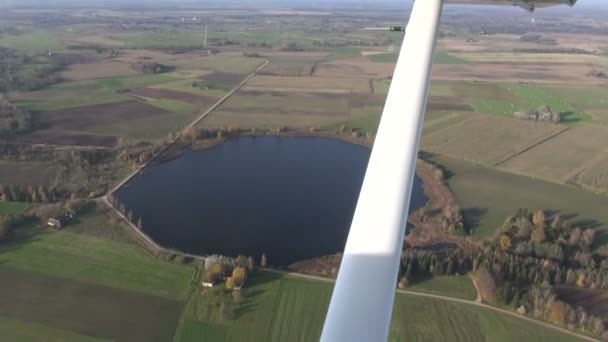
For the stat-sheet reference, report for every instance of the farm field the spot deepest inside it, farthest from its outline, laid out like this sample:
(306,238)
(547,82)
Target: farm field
(317,84)
(271,109)
(488,196)
(60,285)
(16,330)
(482,138)
(278,308)
(100,261)
(27,173)
(452,286)
(596,176)
(12,208)
(563,156)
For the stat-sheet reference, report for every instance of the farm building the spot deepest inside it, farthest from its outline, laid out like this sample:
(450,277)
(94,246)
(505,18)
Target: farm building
(55,223)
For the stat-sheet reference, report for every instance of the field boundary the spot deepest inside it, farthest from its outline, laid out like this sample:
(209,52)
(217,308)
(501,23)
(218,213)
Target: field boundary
(531,147)
(569,178)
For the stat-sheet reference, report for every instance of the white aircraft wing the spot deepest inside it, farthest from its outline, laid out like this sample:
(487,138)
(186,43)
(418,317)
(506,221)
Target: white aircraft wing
(362,300)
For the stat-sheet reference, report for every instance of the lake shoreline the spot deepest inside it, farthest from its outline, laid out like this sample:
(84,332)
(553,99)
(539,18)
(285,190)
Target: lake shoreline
(423,170)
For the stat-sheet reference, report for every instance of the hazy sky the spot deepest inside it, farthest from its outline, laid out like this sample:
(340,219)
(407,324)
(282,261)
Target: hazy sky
(216,3)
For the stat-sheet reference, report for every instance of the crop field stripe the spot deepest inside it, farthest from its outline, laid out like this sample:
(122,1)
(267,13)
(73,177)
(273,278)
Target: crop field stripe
(86,308)
(16,330)
(95,260)
(531,147)
(275,312)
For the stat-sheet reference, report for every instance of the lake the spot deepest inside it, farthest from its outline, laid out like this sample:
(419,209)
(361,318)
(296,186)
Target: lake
(291,198)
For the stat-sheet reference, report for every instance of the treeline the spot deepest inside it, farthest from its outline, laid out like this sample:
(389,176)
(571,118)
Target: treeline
(30,194)
(531,254)
(10,223)
(420,263)
(152,68)
(139,153)
(45,72)
(13,119)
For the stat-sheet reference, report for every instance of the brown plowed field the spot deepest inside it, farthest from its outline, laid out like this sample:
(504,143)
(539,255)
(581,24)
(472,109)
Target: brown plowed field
(88,117)
(56,137)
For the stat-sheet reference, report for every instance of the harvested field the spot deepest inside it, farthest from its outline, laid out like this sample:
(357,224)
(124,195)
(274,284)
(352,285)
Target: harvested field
(290,66)
(99,69)
(67,138)
(447,103)
(173,95)
(244,65)
(313,83)
(538,58)
(279,103)
(488,196)
(93,117)
(269,120)
(186,87)
(563,156)
(516,72)
(221,80)
(596,176)
(86,309)
(360,67)
(27,173)
(482,138)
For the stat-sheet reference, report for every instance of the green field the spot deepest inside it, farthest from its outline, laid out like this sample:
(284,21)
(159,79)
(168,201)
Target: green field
(86,92)
(440,57)
(88,282)
(279,308)
(94,260)
(33,41)
(174,106)
(536,96)
(453,286)
(85,308)
(16,330)
(12,208)
(423,319)
(488,196)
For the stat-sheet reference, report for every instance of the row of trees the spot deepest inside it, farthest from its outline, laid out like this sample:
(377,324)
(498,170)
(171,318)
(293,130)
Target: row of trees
(19,193)
(9,223)
(45,72)
(13,119)
(218,266)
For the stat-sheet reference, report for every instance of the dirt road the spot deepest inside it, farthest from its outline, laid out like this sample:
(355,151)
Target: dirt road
(450,299)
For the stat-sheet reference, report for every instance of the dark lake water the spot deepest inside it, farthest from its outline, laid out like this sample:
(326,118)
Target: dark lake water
(291,198)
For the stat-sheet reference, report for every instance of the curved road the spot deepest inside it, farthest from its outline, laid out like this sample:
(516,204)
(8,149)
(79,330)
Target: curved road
(451,299)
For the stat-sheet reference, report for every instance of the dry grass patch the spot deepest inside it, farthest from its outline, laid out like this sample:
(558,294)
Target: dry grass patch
(561,157)
(482,138)
(595,177)
(312,83)
(355,67)
(101,69)
(515,72)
